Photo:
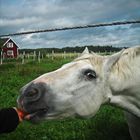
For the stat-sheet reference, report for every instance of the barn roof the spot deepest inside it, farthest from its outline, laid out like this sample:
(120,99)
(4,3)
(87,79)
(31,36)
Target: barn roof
(3,41)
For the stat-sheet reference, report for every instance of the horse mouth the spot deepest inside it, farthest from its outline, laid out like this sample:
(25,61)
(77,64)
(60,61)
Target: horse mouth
(37,115)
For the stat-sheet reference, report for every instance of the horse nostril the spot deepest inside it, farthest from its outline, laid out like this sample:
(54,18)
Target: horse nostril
(32,93)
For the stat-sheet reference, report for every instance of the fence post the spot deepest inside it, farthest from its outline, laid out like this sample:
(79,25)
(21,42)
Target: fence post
(64,54)
(39,56)
(52,54)
(23,57)
(48,55)
(70,54)
(75,54)
(34,55)
(1,58)
(28,55)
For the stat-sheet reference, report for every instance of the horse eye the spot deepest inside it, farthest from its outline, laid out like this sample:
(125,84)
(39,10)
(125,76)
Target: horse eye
(90,74)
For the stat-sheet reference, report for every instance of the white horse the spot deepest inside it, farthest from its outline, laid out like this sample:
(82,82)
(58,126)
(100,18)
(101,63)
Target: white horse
(80,88)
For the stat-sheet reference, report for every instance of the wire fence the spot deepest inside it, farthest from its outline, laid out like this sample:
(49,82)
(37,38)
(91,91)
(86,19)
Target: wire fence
(64,55)
(73,28)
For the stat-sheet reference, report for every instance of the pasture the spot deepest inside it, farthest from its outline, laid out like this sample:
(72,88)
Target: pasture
(108,124)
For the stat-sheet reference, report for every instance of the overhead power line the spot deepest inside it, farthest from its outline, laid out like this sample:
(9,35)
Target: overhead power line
(72,28)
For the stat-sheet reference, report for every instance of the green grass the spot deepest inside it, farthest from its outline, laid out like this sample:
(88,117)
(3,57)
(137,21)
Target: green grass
(108,124)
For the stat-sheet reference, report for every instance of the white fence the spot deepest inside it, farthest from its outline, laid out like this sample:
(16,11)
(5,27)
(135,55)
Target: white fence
(38,56)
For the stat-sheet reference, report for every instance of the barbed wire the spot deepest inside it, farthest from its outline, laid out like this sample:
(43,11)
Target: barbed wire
(72,28)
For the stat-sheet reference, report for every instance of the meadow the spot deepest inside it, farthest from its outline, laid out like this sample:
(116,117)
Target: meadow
(108,124)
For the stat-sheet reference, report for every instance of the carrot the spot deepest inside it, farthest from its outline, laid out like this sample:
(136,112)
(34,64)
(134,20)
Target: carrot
(21,113)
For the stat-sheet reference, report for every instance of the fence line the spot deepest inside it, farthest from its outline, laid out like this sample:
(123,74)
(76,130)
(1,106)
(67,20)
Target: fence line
(39,57)
(73,28)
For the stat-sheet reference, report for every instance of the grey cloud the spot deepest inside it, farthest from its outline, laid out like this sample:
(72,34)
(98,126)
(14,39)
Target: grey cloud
(42,14)
(117,37)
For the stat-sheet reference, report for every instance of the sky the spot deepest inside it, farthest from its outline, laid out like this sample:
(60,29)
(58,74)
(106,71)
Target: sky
(27,15)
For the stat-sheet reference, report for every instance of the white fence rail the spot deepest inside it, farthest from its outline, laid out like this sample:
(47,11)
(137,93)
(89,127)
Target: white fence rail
(37,56)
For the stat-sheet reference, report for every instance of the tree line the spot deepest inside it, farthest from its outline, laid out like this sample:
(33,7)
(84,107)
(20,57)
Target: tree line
(77,49)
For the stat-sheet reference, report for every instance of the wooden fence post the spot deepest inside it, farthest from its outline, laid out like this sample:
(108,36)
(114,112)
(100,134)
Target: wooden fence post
(64,55)
(34,55)
(52,54)
(48,55)
(39,56)
(75,55)
(28,55)
(1,58)
(70,54)
(23,57)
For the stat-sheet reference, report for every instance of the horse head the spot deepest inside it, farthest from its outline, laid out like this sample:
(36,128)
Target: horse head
(78,88)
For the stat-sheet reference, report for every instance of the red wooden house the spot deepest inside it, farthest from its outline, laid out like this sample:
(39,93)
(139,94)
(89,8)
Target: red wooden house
(8,48)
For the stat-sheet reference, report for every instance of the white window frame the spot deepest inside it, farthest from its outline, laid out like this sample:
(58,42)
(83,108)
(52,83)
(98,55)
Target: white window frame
(10,52)
(9,45)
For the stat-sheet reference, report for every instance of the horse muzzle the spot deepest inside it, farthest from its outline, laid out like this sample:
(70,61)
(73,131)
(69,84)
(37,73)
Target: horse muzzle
(34,100)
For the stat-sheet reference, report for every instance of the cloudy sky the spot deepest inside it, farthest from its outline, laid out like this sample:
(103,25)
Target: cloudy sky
(26,15)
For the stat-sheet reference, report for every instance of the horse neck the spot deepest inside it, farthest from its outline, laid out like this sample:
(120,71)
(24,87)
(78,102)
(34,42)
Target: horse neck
(124,84)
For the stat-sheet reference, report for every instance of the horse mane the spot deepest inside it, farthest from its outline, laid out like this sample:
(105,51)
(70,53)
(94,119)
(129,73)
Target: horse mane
(95,59)
(122,68)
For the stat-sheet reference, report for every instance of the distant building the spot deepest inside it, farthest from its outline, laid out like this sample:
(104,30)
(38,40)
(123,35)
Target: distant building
(8,48)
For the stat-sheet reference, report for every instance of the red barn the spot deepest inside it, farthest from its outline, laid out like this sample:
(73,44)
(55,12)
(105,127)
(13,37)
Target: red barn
(8,48)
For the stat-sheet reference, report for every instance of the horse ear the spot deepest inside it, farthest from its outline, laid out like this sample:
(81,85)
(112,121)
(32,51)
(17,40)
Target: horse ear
(111,60)
(86,51)
(95,54)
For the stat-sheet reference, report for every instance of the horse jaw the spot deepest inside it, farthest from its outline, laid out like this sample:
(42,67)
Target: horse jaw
(87,105)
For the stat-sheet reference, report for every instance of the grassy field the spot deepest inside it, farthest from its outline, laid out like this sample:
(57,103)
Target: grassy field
(108,124)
